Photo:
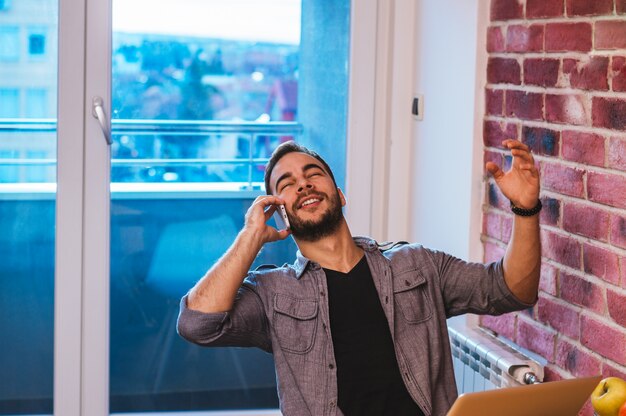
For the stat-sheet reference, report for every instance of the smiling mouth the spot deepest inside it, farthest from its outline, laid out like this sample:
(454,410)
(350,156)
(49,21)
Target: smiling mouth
(308,201)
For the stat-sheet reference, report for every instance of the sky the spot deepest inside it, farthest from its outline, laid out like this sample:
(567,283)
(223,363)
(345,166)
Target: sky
(262,20)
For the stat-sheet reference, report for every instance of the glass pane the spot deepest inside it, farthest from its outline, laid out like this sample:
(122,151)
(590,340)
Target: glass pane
(203,91)
(28,90)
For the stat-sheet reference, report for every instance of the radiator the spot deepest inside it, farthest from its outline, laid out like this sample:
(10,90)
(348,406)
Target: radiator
(483,362)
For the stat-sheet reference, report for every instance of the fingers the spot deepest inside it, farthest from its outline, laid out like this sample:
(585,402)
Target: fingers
(494,170)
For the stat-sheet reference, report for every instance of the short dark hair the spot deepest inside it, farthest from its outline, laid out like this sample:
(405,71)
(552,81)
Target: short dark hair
(291,147)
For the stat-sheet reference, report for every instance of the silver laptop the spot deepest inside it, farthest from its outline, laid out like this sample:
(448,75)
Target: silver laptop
(556,398)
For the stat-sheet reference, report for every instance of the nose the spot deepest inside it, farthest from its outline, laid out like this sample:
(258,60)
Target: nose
(304,184)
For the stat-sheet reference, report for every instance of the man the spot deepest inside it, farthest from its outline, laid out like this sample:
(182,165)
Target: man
(356,330)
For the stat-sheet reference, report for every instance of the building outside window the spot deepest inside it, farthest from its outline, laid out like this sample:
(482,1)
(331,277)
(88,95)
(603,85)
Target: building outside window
(9,102)
(36,42)
(9,43)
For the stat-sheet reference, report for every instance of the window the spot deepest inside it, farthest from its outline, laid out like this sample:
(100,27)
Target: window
(5,5)
(203,92)
(37,103)
(9,103)
(37,42)
(9,43)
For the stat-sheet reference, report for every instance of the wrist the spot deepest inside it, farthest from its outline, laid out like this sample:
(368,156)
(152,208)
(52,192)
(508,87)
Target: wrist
(526,212)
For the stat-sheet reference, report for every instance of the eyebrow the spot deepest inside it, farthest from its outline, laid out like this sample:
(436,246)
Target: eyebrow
(289,174)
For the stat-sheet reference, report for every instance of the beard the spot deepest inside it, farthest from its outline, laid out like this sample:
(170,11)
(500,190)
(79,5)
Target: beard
(311,230)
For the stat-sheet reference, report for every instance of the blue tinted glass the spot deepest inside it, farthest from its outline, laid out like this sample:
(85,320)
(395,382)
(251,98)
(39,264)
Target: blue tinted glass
(9,103)
(27,211)
(196,114)
(9,43)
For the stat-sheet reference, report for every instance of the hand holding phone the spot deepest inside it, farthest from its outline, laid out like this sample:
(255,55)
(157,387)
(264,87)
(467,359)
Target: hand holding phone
(280,217)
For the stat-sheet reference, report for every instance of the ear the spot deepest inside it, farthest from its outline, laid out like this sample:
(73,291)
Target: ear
(342,197)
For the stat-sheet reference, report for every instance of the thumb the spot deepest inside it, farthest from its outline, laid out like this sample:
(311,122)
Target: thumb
(494,169)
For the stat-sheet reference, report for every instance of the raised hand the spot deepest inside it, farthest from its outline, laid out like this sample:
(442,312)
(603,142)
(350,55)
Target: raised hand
(521,183)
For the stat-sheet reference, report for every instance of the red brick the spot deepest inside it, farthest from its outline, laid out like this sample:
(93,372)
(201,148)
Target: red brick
(585,220)
(607,189)
(562,249)
(620,6)
(563,318)
(601,263)
(544,8)
(604,339)
(492,157)
(617,306)
(492,225)
(496,199)
(568,109)
(609,113)
(524,105)
(562,37)
(520,38)
(582,292)
(610,371)
(541,141)
(562,179)
(495,39)
(575,360)
(618,231)
(610,34)
(589,8)
(590,73)
(542,72)
(493,252)
(494,102)
(617,153)
(551,211)
(551,373)
(618,74)
(495,132)
(549,275)
(502,325)
(536,338)
(506,9)
(583,147)
(503,71)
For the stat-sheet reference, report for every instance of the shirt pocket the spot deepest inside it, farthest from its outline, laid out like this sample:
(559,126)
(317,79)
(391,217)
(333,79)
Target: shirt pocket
(294,322)
(411,296)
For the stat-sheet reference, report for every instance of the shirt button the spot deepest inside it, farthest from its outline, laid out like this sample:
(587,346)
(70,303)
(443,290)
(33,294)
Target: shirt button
(324,326)
(406,282)
(331,366)
(332,403)
(322,292)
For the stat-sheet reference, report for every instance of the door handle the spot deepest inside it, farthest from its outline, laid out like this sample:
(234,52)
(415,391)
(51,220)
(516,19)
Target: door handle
(97,111)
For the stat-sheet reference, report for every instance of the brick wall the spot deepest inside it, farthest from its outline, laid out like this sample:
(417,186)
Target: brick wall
(556,80)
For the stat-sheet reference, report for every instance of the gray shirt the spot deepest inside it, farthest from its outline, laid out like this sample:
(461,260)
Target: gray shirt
(285,311)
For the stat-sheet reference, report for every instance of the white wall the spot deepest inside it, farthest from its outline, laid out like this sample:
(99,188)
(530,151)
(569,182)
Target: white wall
(447,149)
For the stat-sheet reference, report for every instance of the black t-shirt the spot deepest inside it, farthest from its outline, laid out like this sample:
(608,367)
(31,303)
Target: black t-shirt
(368,377)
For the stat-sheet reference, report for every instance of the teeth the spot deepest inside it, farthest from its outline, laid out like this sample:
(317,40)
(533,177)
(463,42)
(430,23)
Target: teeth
(309,202)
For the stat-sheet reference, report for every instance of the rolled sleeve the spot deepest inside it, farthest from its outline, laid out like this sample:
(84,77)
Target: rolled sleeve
(243,326)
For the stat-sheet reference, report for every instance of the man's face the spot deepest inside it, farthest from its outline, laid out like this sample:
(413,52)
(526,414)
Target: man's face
(312,200)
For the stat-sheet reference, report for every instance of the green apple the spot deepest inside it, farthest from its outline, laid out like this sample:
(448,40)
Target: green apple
(608,396)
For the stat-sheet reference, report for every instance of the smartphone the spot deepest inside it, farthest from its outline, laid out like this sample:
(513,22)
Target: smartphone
(280,217)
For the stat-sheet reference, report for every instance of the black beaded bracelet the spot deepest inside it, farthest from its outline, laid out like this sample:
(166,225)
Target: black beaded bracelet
(526,212)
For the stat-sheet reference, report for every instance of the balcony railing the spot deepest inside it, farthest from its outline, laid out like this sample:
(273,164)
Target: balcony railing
(224,154)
